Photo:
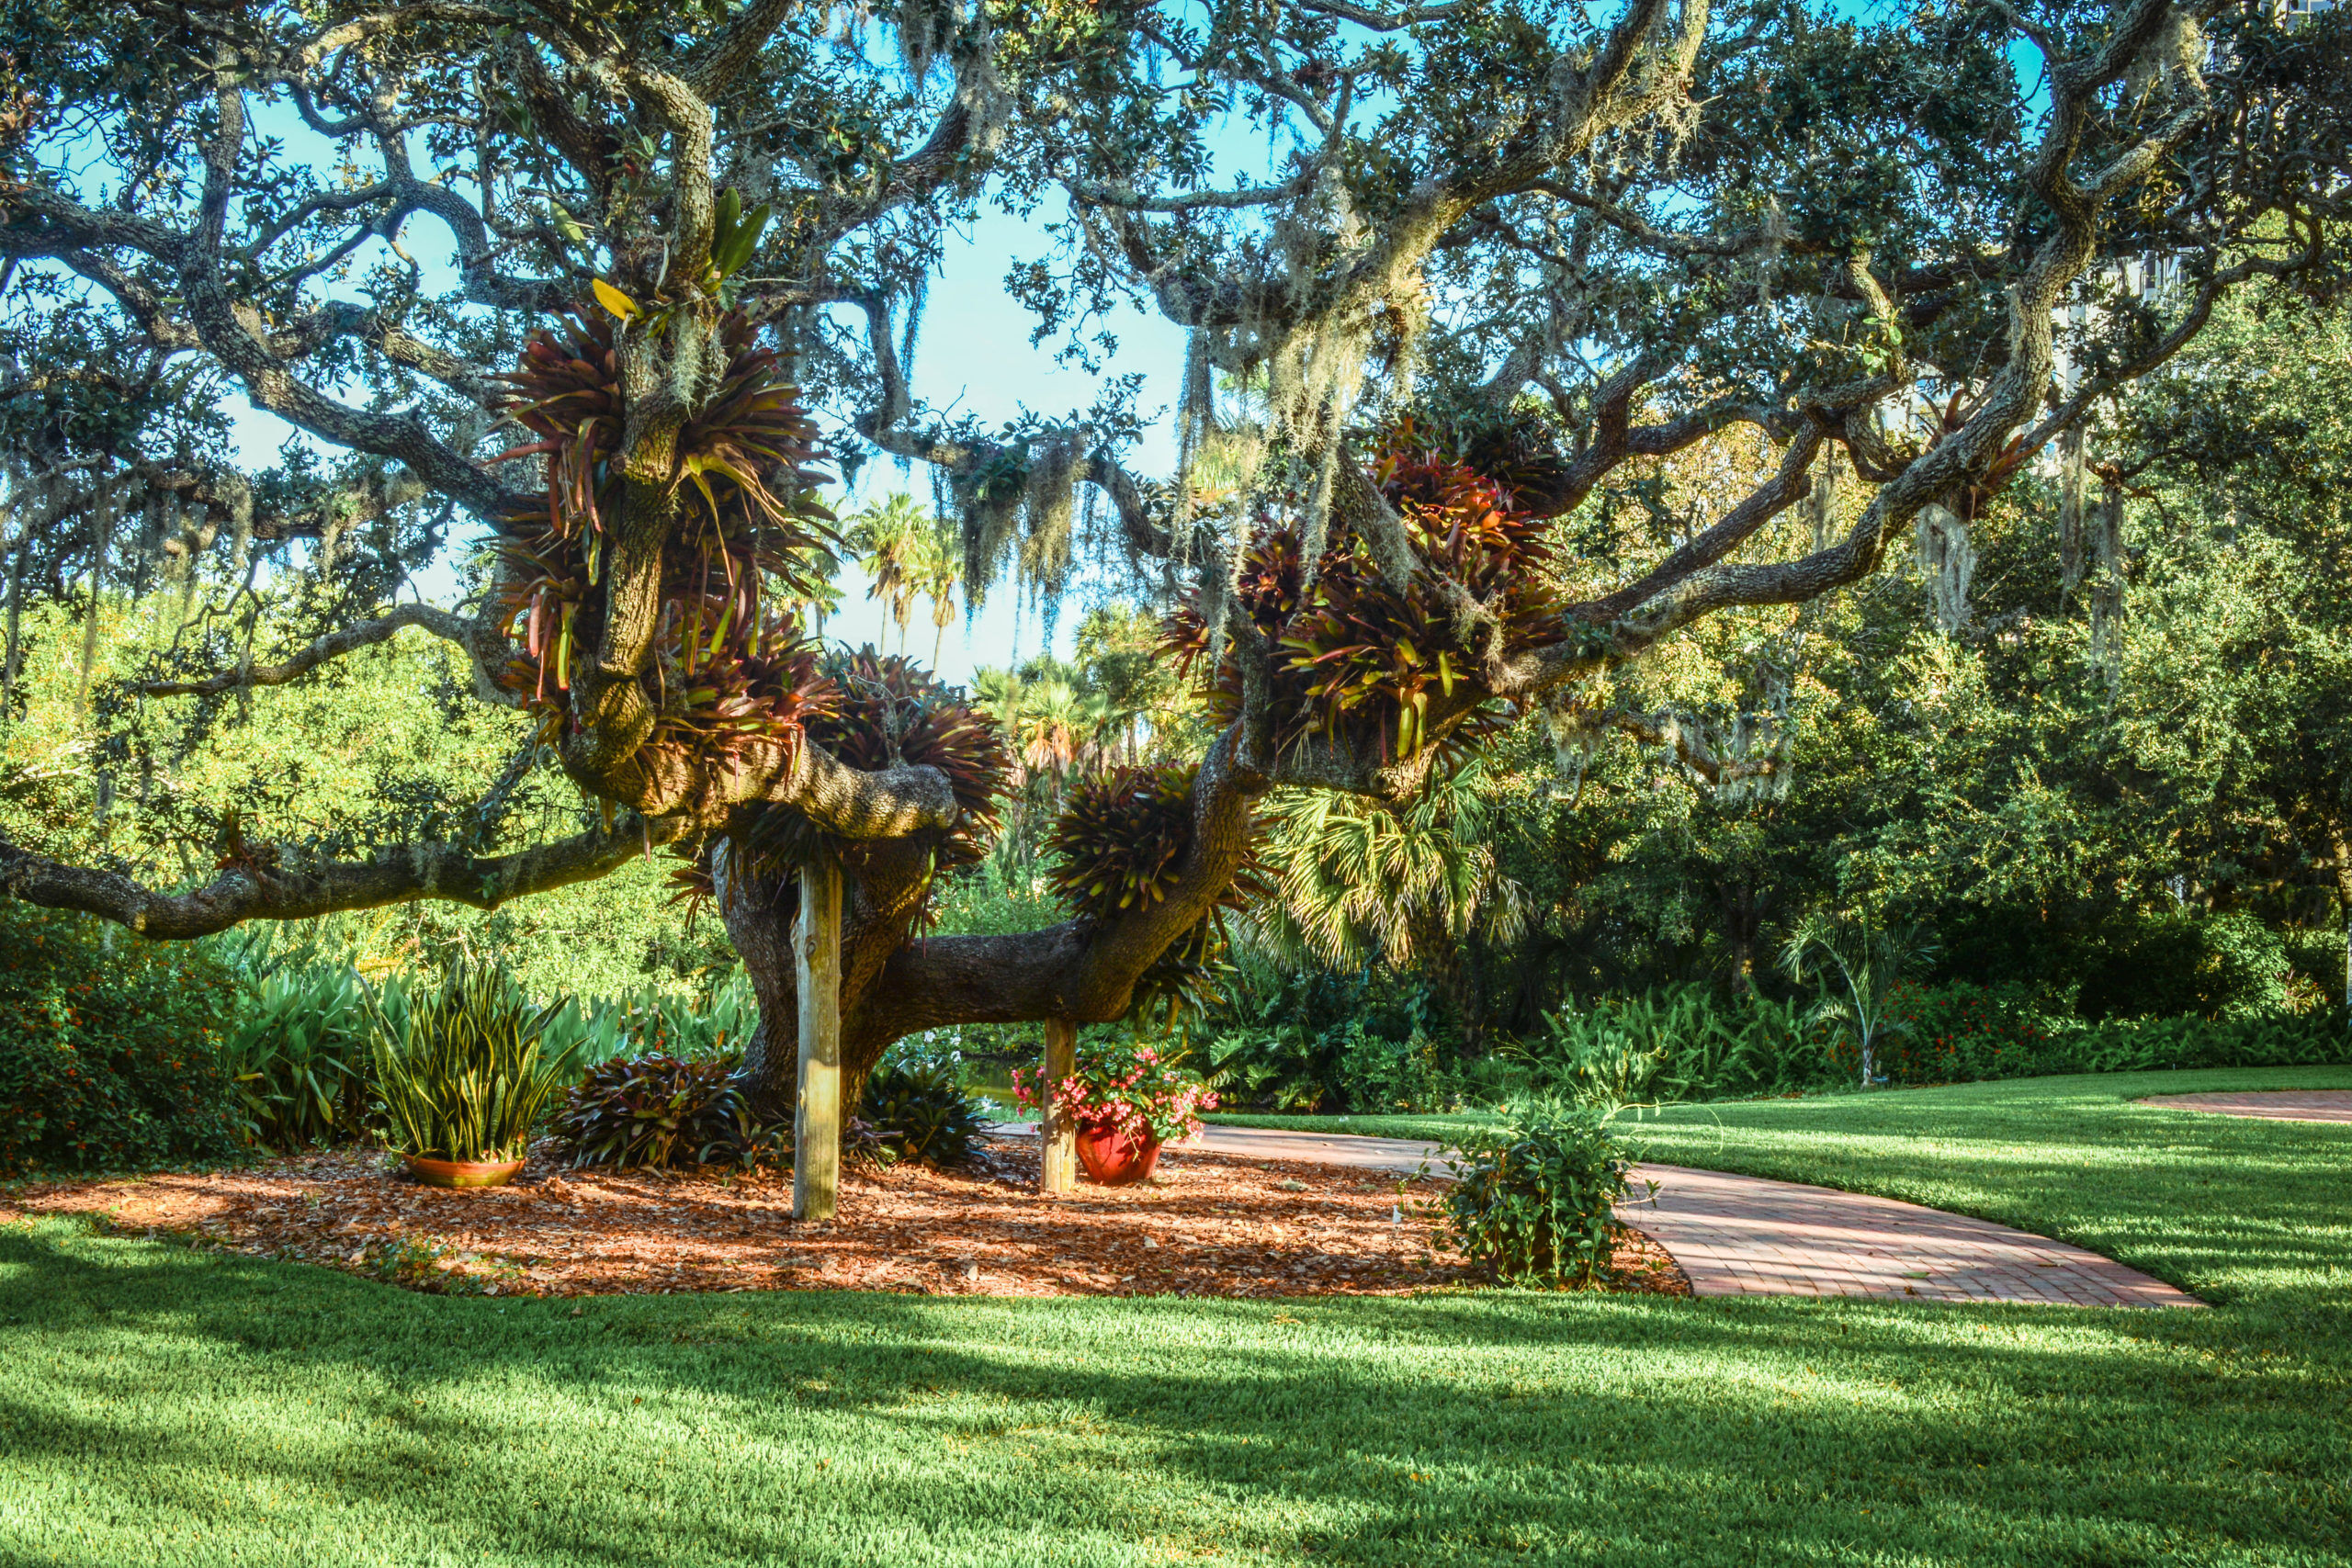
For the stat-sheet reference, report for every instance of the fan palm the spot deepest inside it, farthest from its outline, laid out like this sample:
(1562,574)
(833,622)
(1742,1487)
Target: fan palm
(937,570)
(890,536)
(1057,725)
(818,591)
(1360,882)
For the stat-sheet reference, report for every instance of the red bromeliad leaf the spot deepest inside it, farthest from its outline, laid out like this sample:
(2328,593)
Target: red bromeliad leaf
(730,664)
(1353,640)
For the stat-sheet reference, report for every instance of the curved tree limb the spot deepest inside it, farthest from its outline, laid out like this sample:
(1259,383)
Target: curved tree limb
(443,624)
(446,871)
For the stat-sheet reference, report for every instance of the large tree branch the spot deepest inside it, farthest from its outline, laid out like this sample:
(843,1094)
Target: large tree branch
(1080,970)
(449,873)
(443,624)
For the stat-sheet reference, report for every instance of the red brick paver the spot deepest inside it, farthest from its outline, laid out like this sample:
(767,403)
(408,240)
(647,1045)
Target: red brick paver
(1742,1236)
(2280,1105)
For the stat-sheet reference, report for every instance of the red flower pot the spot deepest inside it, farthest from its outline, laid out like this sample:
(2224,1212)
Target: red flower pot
(1113,1159)
(461,1172)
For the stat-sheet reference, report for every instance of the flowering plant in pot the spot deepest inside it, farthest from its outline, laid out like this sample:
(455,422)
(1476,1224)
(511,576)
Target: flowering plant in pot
(1125,1101)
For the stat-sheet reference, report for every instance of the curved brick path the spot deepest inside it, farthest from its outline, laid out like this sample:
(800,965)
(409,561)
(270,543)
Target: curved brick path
(2276,1105)
(1741,1235)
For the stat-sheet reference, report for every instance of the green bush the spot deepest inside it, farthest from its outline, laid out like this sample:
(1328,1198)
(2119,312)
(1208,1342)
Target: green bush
(663,1111)
(299,1053)
(464,1070)
(1380,1072)
(1963,1034)
(1960,1033)
(2151,1045)
(1533,1202)
(1682,1042)
(1316,1039)
(921,1111)
(109,1047)
(2180,963)
(715,1027)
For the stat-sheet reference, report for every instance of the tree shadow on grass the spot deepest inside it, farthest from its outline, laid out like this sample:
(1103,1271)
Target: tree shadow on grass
(811,1428)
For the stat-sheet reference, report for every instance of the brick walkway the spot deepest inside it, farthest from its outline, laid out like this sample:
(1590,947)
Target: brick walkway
(2285,1105)
(1743,1236)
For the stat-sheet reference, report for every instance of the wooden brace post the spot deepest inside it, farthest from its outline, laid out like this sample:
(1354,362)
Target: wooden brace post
(817,1114)
(1057,1139)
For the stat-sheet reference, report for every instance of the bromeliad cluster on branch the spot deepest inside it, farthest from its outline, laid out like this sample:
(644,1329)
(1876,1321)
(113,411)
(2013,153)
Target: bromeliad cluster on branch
(1355,658)
(730,671)
(884,711)
(1118,846)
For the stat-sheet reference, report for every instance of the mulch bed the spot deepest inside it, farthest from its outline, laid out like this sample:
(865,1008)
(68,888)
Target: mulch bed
(1208,1224)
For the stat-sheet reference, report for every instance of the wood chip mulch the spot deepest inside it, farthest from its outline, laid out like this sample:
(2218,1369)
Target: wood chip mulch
(1208,1224)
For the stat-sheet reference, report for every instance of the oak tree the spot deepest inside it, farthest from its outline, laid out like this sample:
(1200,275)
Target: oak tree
(617,282)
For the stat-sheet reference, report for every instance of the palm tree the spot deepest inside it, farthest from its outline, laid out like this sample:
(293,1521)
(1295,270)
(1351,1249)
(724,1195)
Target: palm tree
(1361,883)
(890,536)
(823,596)
(1057,725)
(936,568)
(1865,960)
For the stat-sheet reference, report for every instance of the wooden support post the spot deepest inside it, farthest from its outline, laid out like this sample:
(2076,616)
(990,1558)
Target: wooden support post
(1057,1139)
(817,1113)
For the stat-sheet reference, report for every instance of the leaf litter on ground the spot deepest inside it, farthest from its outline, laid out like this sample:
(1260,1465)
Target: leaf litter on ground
(1208,1224)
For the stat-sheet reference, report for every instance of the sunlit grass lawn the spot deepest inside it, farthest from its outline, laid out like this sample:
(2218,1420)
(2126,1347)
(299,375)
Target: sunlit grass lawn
(162,1406)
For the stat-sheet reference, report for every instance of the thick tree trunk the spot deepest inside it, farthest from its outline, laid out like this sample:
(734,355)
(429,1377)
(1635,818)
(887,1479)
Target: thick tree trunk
(760,916)
(894,985)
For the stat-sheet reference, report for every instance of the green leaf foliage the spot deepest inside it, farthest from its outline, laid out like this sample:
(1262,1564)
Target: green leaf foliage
(662,1112)
(464,1069)
(921,1111)
(300,1053)
(110,1049)
(1533,1202)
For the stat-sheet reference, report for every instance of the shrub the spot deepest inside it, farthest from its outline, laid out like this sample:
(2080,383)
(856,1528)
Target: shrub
(654,1022)
(1316,1039)
(1963,1034)
(1533,1203)
(1276,1068)
(1960,1034)
(1682,1042)
(664,1110)
(109,1047)
(299,1054)
(462,1068)
(922,1112)
(1606,1063)
(1379,1072)
(2154,1044)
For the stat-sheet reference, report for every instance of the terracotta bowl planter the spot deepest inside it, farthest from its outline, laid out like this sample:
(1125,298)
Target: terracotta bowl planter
(1113,1159)
(461,1172)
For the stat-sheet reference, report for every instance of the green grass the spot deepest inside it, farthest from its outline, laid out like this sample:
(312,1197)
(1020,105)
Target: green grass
(163,1406)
